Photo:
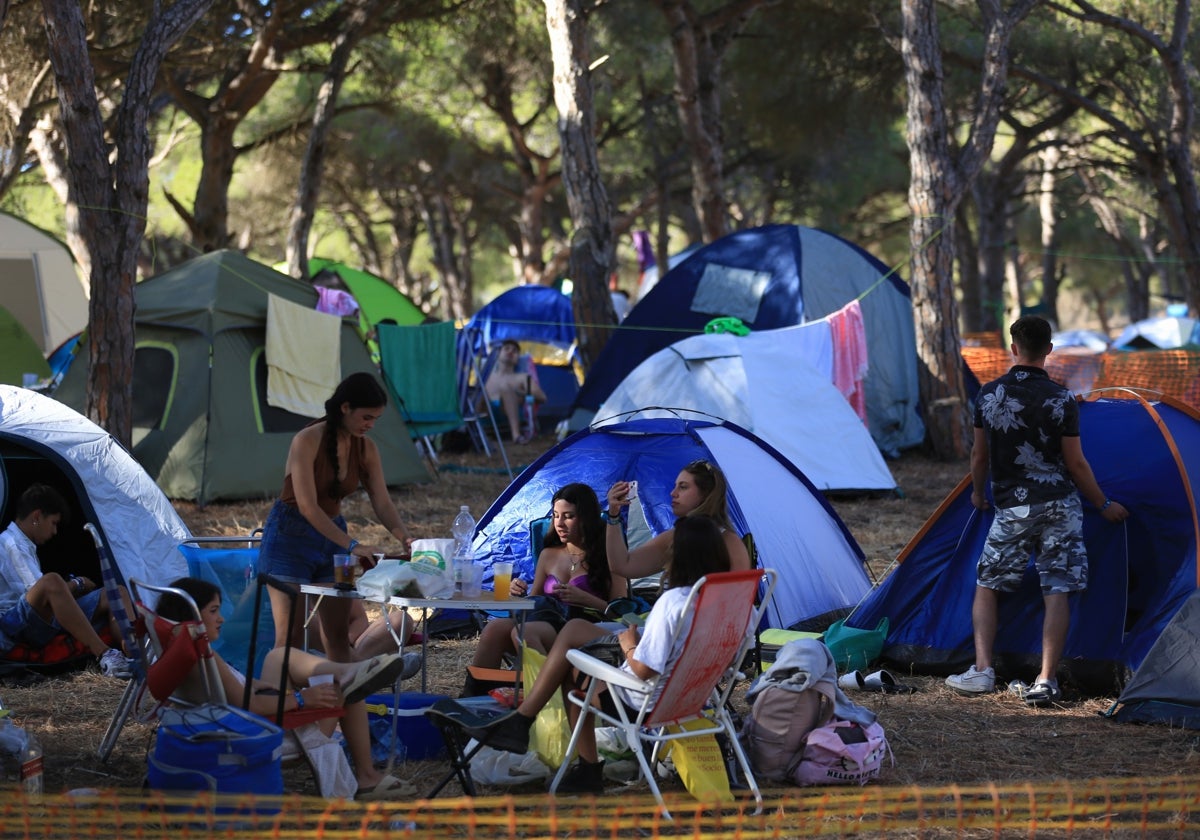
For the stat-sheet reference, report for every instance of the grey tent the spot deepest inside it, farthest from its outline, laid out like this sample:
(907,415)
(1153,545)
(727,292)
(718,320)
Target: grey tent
(202,425)
(1166,686)
(39,284)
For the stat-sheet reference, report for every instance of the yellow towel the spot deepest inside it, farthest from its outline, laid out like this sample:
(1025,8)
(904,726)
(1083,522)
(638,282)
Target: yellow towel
(303,357)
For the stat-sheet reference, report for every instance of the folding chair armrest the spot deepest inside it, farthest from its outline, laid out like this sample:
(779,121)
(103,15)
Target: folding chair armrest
(610,674)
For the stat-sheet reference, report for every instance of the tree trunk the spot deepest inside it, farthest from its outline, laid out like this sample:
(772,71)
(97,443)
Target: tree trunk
(698,46)
(592,257)
(1047,213)
(111,195)
(970,280)
(305,206)
(935,191)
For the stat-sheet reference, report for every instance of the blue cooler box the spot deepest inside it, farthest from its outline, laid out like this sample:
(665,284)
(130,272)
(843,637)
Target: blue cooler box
(419,740)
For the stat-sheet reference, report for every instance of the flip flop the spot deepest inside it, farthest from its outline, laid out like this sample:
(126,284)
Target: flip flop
(375,674)
(884,682)
(389,787)
(854,680)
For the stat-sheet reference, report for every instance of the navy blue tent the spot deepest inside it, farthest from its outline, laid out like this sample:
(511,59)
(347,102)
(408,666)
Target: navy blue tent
(771,277)
(821,572)
(1145,455)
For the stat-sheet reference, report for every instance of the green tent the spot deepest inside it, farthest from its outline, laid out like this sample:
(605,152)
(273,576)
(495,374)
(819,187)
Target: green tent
(202,425)
(19,353)
(378,299)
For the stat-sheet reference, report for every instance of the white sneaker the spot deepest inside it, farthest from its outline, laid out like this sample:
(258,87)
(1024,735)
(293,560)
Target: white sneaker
(972,681)
(114,664)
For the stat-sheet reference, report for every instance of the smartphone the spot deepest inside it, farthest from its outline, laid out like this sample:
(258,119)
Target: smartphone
(632,494)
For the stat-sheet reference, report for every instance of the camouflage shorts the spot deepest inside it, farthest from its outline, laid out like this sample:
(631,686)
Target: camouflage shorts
(1053,529)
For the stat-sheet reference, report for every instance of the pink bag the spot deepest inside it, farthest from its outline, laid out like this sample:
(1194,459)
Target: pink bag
(842,752)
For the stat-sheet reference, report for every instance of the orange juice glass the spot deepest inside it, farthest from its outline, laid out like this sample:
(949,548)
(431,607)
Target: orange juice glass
(502,580)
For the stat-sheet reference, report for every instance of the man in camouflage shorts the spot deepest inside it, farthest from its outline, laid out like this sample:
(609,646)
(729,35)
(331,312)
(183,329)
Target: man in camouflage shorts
(1027,438)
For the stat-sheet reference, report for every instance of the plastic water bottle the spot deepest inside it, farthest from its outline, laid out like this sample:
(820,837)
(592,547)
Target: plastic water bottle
(31,766)
(463,529)
(464,533)
(20,756)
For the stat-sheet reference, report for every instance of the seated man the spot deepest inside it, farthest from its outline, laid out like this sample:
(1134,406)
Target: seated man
(36,607)
(506,387)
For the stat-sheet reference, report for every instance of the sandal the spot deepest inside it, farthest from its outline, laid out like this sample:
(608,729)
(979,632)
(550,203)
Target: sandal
(389,787)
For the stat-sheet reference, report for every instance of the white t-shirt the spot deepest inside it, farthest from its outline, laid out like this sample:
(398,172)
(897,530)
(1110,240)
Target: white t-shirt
(19,566)
(654,648)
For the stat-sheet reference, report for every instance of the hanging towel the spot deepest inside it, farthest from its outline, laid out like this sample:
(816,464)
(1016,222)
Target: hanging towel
(335,301)
(850,355)
(303,357)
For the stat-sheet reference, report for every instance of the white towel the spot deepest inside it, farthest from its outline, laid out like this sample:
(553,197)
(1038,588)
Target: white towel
(303,357)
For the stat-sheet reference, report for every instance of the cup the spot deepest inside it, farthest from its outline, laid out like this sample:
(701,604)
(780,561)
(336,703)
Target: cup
(502,580)
(343,571)
(472,584)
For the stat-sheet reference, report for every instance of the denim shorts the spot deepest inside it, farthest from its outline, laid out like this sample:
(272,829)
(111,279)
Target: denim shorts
(1054,530)
(22,625)
(293,550)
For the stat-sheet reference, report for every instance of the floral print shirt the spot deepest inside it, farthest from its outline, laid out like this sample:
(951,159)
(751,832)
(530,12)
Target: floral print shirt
(1026,415)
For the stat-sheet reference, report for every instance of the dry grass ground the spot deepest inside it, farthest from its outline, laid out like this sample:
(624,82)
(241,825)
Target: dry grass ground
(938,737)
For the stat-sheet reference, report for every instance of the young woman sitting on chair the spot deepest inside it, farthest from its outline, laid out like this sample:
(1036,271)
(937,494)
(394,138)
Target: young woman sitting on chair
(352,682)
(572,574)
(698,549)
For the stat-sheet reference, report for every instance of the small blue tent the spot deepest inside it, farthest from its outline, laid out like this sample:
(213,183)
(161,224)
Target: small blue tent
(1144,454)
(527,314)
(771,277)
(821,572)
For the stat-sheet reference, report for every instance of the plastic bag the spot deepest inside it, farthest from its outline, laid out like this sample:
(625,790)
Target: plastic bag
(432,565)
(551,731)
(700,763)
(385,579)
(853,648)
(496,767)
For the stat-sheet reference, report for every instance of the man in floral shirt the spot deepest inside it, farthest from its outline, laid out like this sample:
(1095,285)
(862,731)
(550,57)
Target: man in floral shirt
(1027,436)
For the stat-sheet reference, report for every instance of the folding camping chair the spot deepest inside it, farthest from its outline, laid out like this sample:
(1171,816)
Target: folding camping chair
(419,366)
(722,609)
(472,374)
(134,646)
(183,672)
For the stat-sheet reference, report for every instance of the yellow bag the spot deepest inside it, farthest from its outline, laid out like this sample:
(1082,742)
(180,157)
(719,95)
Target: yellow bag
(551,732)
(700,764)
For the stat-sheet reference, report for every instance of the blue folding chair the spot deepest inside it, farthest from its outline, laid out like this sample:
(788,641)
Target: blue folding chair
(231,564)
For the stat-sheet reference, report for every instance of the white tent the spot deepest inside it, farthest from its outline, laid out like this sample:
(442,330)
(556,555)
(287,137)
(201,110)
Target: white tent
(39,435)
(39,284)
(1164,333)
(769,383)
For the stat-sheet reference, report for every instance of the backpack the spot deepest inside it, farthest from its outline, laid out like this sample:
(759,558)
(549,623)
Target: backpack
(841,752)
(779,723)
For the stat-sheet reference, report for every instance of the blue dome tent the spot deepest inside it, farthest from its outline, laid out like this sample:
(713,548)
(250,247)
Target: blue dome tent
(821,571)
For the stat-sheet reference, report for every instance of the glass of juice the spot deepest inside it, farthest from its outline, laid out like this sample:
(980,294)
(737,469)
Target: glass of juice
(502,580)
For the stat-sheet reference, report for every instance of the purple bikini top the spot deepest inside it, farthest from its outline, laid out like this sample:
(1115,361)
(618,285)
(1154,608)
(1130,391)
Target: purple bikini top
(579,581)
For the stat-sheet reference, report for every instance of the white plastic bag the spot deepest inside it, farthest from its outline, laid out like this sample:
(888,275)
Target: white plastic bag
(432,567)
(495,767)
(384,579)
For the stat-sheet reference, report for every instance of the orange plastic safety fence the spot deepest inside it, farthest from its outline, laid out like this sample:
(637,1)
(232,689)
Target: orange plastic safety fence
(1116,808)
(1173,373)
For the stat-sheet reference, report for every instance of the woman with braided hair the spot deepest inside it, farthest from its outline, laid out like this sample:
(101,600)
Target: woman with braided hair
(328,459)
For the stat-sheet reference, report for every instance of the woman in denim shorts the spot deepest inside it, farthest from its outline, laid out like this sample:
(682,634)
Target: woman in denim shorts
(328,460)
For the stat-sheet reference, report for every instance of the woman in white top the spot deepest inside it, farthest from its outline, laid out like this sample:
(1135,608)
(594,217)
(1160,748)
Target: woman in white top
(698,549)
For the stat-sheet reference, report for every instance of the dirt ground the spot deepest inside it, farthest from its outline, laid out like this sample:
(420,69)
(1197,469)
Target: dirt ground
(937,736)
